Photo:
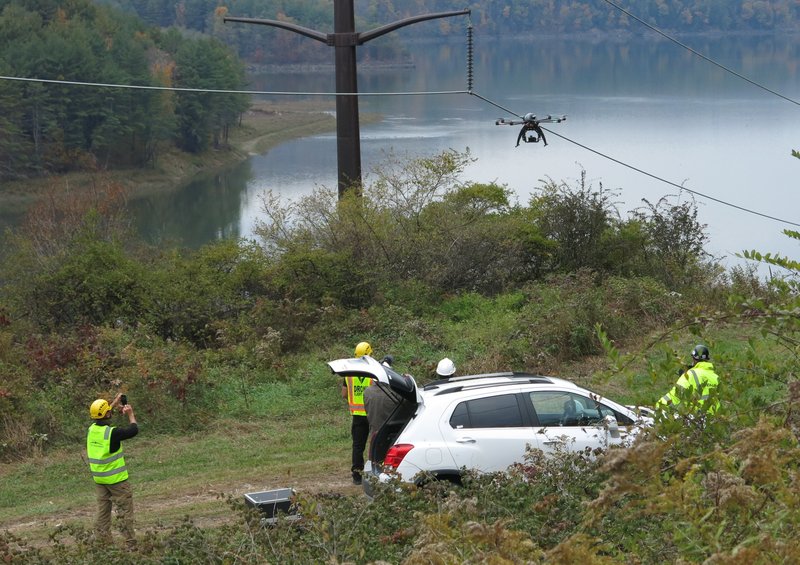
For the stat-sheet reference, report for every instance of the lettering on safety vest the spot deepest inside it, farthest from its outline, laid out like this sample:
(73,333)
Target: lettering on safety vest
(355,394)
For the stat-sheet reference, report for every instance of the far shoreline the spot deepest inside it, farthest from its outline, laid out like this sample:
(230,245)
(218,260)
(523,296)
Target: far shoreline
(263,127)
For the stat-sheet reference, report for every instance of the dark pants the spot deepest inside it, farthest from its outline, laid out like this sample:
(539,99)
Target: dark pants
(360,432)
(120,494)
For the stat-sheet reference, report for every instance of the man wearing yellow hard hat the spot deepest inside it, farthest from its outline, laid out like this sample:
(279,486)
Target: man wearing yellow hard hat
(353,390)
(107,464)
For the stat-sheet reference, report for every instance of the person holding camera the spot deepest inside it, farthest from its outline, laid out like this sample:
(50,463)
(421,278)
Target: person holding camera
(107,464)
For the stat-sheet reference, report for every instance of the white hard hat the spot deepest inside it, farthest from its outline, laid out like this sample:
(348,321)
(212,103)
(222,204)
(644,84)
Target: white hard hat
(445,368)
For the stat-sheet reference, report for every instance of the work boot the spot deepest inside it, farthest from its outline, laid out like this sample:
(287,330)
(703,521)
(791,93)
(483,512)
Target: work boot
(356,478)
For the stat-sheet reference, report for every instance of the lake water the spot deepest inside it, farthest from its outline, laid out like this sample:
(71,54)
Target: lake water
(647,103)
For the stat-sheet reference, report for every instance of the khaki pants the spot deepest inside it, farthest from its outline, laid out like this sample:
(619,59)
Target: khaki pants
(120,495)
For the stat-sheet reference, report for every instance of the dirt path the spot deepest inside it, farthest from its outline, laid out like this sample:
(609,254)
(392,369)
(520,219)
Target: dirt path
(206,505)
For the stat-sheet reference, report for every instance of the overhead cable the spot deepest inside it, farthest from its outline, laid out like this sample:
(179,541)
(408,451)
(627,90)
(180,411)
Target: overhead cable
(656,177)
(470,92)
(226,91)
(495,104)
(712,61)
(638,170)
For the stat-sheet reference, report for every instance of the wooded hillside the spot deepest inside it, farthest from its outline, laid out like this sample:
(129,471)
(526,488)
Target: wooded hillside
(57,128)
(506,17)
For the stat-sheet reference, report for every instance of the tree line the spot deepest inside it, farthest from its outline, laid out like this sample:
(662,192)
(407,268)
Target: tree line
(57,128)
(417,234)
(260,44)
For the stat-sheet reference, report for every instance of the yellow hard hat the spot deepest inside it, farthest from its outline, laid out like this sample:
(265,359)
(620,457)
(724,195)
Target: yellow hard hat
(363,348)
(99,409)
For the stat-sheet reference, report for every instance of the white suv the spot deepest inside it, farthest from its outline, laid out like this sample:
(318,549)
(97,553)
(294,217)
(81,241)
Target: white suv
(484,422)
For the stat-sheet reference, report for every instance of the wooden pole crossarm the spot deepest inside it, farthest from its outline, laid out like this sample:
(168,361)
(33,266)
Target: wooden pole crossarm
(334,39)
(383,30)
(313,34)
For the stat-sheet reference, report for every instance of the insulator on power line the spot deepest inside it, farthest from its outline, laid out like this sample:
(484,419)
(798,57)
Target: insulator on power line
(469,57)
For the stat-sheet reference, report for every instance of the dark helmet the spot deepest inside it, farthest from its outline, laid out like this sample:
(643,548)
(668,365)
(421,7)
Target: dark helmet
(700,353)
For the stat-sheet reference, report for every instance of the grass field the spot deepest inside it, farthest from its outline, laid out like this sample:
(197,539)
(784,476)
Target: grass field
(178,476)
(292,434)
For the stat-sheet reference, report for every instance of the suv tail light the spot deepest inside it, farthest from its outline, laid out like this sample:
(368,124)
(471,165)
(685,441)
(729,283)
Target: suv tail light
(396,454)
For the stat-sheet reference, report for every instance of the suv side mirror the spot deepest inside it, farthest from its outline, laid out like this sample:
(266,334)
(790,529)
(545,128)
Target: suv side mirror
(610,423)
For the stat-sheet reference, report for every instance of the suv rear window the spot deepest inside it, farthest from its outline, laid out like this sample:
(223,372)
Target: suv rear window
(490,412)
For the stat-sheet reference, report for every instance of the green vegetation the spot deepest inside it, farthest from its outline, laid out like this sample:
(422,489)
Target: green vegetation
(222,351)
(59,128)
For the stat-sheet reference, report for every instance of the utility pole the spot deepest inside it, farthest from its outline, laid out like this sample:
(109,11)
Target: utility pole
(344,40)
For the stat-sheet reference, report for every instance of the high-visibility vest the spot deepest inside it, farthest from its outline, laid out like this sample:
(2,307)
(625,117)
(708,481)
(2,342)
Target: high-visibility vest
(355,394)
(107,468)
(700,379)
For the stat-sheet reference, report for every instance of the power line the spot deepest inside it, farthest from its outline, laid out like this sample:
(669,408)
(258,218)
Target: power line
(470,92)
(226,91)
(426,93)
(656,177)
(712,61)
(496,105)
(641,171)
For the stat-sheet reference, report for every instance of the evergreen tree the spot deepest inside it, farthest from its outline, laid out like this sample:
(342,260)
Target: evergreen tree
(55,128)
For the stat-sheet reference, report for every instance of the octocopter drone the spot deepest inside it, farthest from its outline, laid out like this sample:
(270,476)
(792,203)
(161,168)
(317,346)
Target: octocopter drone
(530,123)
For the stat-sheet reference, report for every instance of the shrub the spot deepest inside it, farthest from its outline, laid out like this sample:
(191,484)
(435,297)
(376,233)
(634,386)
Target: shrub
(415,222)
(674,251)
(576,219)
(190,294)
(559,318)
(93,283)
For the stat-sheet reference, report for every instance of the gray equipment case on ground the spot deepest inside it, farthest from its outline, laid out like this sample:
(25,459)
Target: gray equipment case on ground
(272,503)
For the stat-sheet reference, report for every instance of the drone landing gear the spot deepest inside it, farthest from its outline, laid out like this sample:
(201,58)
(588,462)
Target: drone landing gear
(534,139)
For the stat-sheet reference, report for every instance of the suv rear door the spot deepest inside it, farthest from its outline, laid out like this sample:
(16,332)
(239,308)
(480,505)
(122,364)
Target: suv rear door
(367,367)
(488,432)
(402,386)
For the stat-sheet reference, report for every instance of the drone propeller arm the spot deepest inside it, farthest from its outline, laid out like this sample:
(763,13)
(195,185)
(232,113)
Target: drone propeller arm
(532,121)
(552,120)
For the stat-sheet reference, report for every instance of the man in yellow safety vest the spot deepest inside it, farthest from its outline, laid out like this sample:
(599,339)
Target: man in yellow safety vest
(107,464)
(700,379)
(353,390)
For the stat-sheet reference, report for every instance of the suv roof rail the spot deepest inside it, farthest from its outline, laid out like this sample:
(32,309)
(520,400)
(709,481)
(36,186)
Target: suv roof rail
(465,380)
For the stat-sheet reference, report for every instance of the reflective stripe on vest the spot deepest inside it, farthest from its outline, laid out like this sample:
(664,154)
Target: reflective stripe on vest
(355,394)
(699,387)
(697,384)
(107,468)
